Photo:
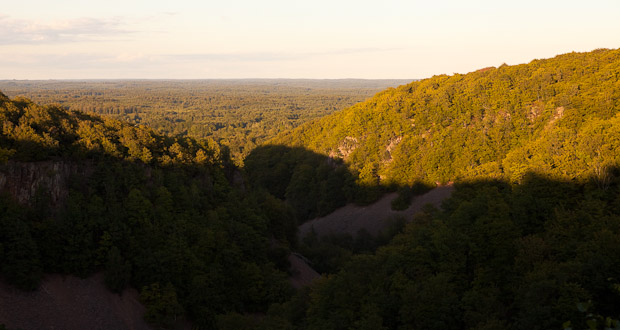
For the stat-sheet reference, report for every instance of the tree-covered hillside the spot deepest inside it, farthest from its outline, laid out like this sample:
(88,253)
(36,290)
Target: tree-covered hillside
(530,238)
(557,117)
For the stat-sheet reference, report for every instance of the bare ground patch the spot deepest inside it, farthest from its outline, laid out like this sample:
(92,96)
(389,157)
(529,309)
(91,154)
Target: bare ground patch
(351,219)
(302,274)
(374,218)
(71,303)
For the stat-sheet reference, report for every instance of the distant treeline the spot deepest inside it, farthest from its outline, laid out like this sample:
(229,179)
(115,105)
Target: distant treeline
(239,114)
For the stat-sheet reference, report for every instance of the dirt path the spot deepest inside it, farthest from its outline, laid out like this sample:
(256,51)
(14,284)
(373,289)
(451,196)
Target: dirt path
(373,218)
(68,302)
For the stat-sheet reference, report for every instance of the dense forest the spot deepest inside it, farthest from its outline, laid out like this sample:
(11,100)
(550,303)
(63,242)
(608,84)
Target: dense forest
(238,114)
(539,255)
(530,239)
(155,212)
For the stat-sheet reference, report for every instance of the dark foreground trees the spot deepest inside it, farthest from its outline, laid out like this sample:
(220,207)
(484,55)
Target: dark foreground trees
(477,264)
(153,212)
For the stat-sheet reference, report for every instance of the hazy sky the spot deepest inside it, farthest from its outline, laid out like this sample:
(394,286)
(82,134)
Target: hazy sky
(64,39)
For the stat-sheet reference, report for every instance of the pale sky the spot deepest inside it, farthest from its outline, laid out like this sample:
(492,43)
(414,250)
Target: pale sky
(200,39)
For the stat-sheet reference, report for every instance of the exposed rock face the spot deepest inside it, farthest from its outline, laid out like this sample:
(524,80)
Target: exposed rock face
(345,148)
(391,145)
(22,180)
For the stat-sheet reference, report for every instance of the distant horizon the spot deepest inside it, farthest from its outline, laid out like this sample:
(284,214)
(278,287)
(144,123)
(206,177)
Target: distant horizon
(199,79)
(277,39)
(290,78)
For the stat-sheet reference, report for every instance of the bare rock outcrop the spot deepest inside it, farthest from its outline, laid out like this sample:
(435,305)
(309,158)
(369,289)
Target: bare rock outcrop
(23,180)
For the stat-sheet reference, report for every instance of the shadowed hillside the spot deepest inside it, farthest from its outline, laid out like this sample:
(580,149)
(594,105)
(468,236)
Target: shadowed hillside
(168,216)
(373,218)
(533,255)
(70,303)
(82,194)
(314,184)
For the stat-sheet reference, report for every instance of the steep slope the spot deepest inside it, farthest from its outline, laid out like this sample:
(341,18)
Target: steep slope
(557,116)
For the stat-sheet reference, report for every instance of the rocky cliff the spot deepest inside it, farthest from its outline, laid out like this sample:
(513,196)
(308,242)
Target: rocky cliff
(23,180)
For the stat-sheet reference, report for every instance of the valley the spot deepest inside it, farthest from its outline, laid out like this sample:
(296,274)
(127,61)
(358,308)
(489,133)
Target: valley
(486,200)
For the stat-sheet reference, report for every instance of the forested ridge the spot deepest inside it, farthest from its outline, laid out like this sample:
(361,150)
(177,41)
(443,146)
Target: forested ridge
(542,254)
(529,239)
(556,116)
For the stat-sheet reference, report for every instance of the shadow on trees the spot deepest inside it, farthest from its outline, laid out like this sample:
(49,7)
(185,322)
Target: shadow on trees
(171,218)
(190,235)
(180,232)
(315,184)
(498,255)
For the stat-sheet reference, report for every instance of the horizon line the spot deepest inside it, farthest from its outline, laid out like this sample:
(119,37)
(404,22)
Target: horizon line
(195,79)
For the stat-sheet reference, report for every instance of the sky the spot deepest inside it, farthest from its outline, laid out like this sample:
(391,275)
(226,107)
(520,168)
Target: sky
(207,39)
